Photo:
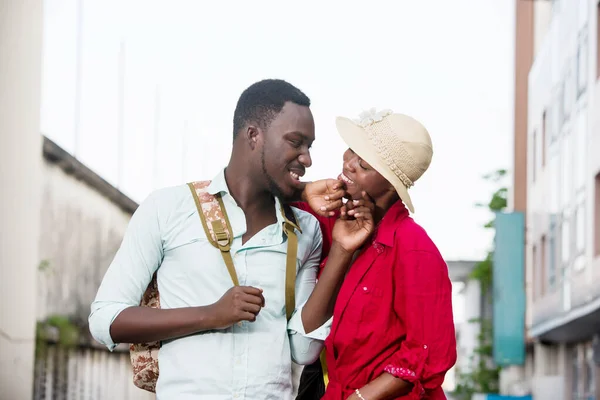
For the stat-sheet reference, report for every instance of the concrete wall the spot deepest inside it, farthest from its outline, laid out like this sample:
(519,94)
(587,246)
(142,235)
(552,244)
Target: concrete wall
(83,220)
(81,229)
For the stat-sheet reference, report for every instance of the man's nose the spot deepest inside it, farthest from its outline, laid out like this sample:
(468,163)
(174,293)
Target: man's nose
(305,159)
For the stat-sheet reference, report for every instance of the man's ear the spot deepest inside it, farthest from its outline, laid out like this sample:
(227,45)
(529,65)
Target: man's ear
(252,134)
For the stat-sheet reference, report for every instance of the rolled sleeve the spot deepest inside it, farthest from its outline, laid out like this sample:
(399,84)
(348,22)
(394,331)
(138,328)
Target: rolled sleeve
(130,272)
(306,347)
(424,297)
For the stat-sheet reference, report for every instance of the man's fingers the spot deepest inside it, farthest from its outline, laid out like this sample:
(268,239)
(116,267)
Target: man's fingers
(256,293)
(335,184)
(251,290)
(337,195)
(248,316)
(252,299)
(252,308)
(334,205)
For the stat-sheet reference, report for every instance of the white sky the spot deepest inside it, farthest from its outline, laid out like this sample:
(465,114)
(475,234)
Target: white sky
(447,63)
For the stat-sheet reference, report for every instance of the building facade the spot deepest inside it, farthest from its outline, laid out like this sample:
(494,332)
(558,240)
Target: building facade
(557,187)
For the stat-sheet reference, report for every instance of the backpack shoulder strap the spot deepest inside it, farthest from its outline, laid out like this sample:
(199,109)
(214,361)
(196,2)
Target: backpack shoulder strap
(290,226)
(215,222)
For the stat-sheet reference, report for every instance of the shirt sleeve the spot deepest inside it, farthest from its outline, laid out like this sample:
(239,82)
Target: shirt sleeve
(130,272)
(306,347)
(424,299)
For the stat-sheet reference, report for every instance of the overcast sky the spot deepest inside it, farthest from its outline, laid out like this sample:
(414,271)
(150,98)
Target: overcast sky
(447,63)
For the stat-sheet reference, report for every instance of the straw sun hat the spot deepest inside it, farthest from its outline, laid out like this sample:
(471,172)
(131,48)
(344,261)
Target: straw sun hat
(395,145)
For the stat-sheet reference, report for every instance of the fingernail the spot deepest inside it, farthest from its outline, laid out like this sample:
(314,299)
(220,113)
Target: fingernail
(323,208)
(326,197)
(355,201)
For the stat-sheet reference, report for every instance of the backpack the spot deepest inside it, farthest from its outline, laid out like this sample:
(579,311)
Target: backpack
(144,356)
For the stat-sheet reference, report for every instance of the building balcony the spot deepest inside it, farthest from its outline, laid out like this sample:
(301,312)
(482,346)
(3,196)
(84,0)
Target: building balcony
(571,312)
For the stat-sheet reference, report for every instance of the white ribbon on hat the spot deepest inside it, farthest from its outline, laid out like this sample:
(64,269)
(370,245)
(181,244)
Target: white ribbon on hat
(370,116)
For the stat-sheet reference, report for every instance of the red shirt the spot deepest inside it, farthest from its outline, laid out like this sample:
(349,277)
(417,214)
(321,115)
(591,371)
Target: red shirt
(393,313)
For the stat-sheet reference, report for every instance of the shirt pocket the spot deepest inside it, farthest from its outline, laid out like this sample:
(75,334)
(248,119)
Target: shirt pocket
(371,300)
(363,309)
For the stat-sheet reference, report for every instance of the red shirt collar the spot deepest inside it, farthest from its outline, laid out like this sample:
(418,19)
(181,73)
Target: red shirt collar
(386,228)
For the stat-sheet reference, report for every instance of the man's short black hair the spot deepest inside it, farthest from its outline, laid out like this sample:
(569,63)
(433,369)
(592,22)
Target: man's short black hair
(262,101)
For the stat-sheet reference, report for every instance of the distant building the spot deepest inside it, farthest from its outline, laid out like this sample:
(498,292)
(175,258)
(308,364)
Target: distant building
(557,188)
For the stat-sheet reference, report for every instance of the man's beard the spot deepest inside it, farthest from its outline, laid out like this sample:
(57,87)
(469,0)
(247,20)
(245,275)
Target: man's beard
(274,188)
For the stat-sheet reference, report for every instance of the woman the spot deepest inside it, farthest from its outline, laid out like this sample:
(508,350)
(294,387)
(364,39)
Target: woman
(393,331)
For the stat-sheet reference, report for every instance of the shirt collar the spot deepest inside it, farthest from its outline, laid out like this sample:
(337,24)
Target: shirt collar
(218,184)
(386,230)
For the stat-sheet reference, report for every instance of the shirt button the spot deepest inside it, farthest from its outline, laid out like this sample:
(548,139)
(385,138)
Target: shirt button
(425,346)
(365,288)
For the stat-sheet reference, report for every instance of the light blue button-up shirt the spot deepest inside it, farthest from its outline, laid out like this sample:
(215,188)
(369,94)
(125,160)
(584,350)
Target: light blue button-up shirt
(251,361)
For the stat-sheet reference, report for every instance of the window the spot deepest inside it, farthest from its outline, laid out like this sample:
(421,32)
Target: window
(565,250)
(590,375)
(566,178)
(578,241)
(534,156)
(575,372)
(580,229)
(597,216)
(552,120)
(554,187)
(536,273)
(569,90)
(552,249)
(560,108)
(582,61)
(580,149)
(543,266)
(544,139)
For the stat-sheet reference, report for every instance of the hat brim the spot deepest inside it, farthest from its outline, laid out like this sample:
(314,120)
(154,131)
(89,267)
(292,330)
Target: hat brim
(356,138)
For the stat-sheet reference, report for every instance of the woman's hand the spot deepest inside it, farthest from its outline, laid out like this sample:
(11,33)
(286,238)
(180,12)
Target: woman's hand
(355,224)
(324,196)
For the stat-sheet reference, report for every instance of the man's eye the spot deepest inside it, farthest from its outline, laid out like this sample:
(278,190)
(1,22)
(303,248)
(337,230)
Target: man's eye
(296,143)
(360,164)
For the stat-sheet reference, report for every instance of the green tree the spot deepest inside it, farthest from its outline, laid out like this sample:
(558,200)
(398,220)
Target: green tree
(483,376)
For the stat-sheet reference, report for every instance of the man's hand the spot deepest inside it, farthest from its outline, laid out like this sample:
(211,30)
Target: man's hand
(355,224)
(324,196)
(240,303)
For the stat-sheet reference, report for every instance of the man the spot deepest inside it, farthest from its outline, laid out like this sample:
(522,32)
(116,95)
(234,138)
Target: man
(219,341)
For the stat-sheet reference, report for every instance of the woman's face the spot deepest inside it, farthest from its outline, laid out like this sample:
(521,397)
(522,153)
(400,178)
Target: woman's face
(358,175)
